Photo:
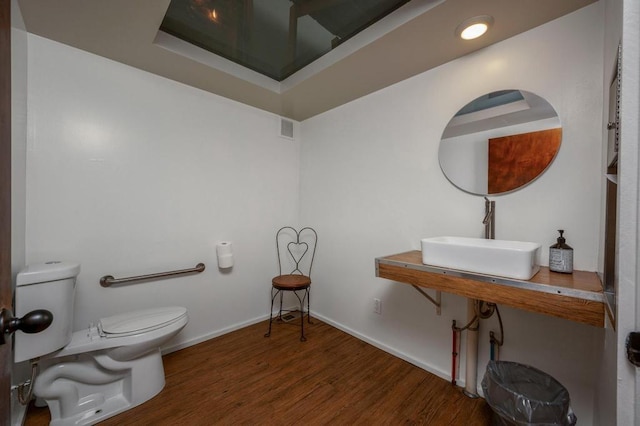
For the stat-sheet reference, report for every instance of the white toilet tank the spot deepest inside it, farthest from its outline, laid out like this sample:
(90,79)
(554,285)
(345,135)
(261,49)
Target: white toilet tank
(49,286)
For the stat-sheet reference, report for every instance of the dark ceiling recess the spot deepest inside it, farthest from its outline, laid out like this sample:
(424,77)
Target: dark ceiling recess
(273,37)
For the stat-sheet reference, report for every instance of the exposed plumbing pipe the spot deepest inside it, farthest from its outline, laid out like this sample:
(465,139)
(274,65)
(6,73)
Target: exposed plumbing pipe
(494,342)
(458,349)
(457,339)
(471,370)
(492,355)
(476,310)
(25,390)
(454,352)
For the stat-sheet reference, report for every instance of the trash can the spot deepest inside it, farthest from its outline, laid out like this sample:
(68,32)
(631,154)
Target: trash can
(520,394)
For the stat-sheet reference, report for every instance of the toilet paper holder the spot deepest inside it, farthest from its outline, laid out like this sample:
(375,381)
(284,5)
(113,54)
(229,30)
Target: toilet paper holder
(224,254)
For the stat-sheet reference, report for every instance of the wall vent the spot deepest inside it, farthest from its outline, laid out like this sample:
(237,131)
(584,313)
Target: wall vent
(286,128)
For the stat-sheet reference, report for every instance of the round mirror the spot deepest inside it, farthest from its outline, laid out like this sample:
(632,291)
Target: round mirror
(500,142)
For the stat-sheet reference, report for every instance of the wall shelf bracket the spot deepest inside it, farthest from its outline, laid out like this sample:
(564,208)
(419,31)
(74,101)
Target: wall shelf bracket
(437,301)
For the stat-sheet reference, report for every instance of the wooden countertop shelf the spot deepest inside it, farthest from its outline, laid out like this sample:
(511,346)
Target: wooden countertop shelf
(577,297)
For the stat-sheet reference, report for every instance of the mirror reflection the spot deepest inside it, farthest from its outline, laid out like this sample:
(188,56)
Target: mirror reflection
(500,142)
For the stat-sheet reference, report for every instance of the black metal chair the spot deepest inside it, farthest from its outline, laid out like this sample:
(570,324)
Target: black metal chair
(296,251)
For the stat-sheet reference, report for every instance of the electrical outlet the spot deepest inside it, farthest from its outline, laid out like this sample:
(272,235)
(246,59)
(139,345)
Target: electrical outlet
(377,306)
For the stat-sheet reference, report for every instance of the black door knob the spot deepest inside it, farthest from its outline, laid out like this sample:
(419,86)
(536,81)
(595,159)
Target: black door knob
(33,322)
(633,348)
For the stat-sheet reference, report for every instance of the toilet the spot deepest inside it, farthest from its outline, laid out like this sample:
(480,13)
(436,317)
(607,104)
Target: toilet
(92,374)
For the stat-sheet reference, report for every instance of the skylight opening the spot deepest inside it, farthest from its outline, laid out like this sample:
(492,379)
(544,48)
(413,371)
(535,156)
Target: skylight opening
(275,38)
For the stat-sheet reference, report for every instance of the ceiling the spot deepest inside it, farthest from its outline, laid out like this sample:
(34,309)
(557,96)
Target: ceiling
(415,38)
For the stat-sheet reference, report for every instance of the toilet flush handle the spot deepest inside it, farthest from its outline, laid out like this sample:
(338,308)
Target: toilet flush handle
(33,322)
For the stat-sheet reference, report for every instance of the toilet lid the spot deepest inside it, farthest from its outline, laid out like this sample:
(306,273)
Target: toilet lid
(140,321)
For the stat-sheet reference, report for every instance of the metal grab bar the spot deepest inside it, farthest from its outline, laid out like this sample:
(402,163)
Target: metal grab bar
(109,280)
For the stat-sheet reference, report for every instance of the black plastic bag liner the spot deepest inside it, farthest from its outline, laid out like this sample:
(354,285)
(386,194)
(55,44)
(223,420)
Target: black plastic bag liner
(523,395)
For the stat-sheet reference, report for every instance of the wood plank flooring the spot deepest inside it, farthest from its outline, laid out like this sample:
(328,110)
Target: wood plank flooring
(332,378)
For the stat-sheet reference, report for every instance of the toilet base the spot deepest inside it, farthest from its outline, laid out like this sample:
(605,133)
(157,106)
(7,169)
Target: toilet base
(109,408)
(84,389)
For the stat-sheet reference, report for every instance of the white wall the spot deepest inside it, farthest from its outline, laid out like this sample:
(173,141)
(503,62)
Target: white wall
(465,162)
(129,173)
(372,186)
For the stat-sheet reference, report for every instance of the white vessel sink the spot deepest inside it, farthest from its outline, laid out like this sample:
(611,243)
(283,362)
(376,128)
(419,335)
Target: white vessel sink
(511,259)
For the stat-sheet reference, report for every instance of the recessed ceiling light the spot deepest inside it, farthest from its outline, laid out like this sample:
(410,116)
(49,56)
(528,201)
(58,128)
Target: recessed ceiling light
(474,27)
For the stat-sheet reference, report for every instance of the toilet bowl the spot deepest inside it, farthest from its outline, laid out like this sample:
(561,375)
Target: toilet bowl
(101,373)
(98,372)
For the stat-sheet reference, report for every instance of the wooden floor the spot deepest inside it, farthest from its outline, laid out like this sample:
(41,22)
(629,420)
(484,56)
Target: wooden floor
(332,378)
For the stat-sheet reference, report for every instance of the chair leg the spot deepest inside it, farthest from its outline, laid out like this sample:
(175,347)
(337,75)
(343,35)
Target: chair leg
(280,311)
(309,305)
(273,296)
(307,295)
(302,338)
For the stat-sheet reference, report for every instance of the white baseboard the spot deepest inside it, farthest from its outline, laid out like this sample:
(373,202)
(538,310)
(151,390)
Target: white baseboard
(217,333)
(418,363)
(213,334)
(402,355)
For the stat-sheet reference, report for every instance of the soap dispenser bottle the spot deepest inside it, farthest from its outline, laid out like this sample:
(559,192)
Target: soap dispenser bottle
(561,256)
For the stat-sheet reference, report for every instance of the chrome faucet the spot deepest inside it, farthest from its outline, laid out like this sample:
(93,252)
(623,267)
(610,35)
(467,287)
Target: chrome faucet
(489,220)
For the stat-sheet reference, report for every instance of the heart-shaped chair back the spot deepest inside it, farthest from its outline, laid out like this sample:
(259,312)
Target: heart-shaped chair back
(296,249)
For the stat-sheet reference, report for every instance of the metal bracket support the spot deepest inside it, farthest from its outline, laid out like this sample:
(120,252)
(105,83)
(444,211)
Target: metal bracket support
(437,301)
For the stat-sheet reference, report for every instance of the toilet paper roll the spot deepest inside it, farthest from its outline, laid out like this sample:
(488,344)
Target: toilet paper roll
(225,254)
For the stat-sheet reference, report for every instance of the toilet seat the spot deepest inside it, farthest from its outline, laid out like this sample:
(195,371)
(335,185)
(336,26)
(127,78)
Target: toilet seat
(138,322)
